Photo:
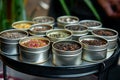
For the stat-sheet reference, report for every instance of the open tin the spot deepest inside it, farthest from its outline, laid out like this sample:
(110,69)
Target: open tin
(34,49)
(40,29)
(77,30)
(94,48)
(67,53)
(110,35)
(44,20)
(59,34)
(65,20)
(22,25)
(91,24)
(9,40)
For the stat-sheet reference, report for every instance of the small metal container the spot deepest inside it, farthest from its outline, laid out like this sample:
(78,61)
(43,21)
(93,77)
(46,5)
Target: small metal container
(64,57)
(65,20)
(91,24)
(40,29)
(110,35)
(94,48)
(59,34)
(34,49)
(9,41)
(77,30)
(44,20)
(22,25)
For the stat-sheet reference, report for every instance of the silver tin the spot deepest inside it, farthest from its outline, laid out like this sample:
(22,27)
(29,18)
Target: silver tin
(66,58)
(34,55)
(57,32)
(75,29)
(44,20)
(23,27)
(93,53)
(34,30)
(65,20)
(10,46)
(91,27)
(112,45)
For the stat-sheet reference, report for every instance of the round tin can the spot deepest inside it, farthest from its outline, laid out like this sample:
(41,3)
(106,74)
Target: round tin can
(59,34)
(34,49)
(44,20)
(94,48)
(40,29)
(67,53)
(22,25)
(91,24)
(110,35)
(65,20)
(9,40)
(77,30)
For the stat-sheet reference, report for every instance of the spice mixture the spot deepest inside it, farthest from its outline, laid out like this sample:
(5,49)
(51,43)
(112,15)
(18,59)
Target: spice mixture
(58,35)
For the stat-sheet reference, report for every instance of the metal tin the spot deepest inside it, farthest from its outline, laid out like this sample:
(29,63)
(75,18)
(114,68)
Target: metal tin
(112,39)
(77,30)
(22,25)
(94,53)
(65,20)
(40,29)
(91,24)
(34,55)
(59,34)
(66,58)
(44,20)
(10,46)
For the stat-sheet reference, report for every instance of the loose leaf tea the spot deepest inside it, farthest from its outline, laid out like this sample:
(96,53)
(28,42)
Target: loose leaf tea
(12,35)
(104,32)
(43,20)
(67,46)
(69,19)
(94,42)
(90,24)
(22,26)
(58,35)
(76,27)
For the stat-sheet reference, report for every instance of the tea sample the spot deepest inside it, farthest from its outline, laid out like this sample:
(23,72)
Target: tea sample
(58,35)
(35,43)
(12,35)
(90,24)
(104,32)
(94,42)
(75,27)
(67,46)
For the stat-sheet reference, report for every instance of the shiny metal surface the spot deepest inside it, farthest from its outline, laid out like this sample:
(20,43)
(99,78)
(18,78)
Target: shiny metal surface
(40,33)
(77,33)
(66,58)
(50,21)
(34,55)
(57,31)
(90,28)
(10,46)
(112,40)
(92,52)
(61,23)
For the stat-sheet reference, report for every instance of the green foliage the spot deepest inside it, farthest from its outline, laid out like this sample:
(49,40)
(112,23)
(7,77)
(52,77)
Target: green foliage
(9,14)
